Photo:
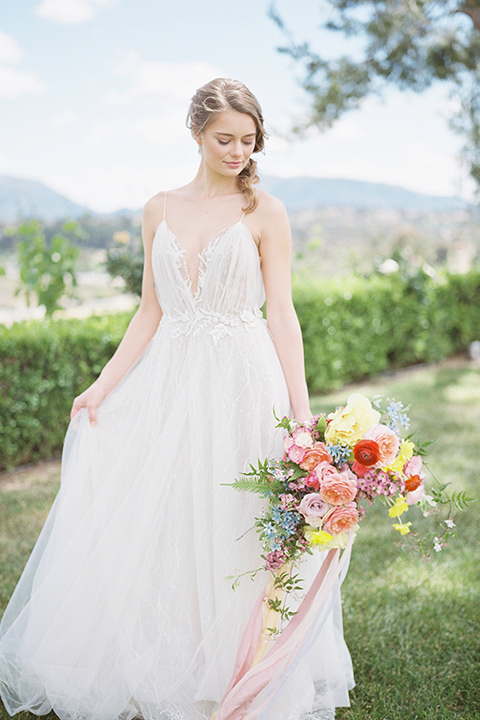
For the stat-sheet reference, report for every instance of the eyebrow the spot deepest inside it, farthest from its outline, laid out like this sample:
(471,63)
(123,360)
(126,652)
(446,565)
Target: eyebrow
(230,135)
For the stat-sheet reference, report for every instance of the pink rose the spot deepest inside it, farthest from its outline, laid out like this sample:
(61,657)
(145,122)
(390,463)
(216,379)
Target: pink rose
(388,444)
(337,487)
(340,519)
(296,454)
(313,508)
(324,470)
(302,438)
(315,455)
(413,466)
(414,496)
(312,481)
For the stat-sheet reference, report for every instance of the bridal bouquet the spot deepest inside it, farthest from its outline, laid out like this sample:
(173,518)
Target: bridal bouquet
(333,469)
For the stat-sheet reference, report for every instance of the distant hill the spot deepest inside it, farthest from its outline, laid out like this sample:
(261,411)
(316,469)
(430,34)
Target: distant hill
(28,198)
(305,193)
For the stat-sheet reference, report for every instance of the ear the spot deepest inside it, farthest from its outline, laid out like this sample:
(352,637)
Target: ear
(197,136)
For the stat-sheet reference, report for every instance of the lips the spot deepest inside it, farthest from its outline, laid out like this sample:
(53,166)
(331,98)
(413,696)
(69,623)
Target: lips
(233,164)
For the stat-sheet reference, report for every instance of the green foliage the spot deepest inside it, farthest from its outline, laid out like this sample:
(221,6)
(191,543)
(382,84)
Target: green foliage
(356,327)
(125,260)
(410,44)
(43,366)
(352,328)
(47,270)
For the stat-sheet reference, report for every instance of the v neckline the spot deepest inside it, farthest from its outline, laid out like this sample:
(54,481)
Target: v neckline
(205,248)
(203,256)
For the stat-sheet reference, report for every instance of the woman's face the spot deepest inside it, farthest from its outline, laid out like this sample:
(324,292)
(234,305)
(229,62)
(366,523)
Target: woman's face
(228,142)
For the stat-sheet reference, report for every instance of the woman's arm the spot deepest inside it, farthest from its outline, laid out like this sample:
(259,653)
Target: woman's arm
(275,252)
(139,332)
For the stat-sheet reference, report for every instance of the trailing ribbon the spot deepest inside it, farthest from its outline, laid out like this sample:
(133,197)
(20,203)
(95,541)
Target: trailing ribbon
(256,664)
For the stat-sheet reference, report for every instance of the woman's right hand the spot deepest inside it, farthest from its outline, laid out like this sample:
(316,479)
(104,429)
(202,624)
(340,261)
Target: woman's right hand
(90,399)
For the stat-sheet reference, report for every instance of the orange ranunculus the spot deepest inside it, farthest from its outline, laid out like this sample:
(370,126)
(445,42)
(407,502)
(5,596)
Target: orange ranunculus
(314,456)
(412,483)
(366,452)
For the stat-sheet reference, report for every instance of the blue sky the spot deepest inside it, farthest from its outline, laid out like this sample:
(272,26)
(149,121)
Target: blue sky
(94,93)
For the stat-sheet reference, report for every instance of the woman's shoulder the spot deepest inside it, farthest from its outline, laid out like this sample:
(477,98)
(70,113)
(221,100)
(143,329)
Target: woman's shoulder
(155,203)
(269,204)
(269,207)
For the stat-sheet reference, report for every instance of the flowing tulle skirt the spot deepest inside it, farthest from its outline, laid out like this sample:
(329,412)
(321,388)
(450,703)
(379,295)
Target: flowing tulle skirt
(123,608)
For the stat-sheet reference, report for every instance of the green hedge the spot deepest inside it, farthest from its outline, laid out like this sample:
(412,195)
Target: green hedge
(43,365)
(352,328)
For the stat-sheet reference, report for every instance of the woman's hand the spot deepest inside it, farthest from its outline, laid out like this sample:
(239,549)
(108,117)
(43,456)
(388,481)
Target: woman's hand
(90,399)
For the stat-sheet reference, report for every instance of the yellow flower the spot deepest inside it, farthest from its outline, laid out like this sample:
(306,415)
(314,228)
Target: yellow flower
(317,537)
(403,528)
(399,506)
(349,424)
(122,237)
(406,452)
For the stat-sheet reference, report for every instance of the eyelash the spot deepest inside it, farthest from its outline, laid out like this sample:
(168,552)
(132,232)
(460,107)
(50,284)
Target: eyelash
(225,142)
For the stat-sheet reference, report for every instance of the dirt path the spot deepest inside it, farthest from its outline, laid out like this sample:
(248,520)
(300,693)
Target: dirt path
(27,475)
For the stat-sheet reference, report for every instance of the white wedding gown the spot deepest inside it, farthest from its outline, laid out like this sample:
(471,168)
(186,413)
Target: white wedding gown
(123,608)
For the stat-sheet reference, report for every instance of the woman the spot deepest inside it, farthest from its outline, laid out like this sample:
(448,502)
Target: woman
(123,608)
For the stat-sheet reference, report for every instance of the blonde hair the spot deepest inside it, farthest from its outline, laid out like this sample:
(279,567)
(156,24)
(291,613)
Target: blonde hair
(216,97)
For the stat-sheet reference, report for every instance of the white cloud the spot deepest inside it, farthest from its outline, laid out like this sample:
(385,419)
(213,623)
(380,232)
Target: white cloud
(167,82)
(15,82)
(67,117)
(70,11)
(166,130)
(10,53)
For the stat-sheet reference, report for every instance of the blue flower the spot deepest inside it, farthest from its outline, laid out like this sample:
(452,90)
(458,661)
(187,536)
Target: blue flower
(339,453)
(396,417)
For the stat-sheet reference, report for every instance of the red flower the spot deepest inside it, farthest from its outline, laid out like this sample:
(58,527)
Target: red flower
(366,452)
(412,483)
(359,469)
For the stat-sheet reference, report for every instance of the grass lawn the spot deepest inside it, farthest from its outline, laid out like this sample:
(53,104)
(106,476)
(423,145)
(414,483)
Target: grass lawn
(412,626)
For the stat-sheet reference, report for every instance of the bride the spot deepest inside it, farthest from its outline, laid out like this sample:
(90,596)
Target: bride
(123,608)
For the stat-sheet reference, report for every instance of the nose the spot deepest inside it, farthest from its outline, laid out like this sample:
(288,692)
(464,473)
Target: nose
(237,150)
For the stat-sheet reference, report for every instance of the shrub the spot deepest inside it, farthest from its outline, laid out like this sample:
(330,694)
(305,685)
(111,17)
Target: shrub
(352,328)
(43,365)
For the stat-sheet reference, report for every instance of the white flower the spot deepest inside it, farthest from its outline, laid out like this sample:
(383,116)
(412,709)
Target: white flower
(449,523)
(437,546)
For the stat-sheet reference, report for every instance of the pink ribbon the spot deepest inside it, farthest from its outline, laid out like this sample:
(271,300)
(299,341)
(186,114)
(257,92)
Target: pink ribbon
(247,682)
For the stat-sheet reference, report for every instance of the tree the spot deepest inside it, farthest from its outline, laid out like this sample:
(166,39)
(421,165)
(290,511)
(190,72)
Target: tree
(125,260)
(410,43)
(47,271)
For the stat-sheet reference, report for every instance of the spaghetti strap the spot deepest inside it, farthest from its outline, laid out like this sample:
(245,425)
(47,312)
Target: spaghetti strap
(165,205)
(241,219)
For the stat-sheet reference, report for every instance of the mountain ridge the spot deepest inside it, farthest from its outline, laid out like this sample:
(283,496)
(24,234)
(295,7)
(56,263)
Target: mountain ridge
(21,198)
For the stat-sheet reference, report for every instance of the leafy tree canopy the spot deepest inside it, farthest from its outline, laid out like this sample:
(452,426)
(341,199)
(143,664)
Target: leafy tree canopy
(410,43)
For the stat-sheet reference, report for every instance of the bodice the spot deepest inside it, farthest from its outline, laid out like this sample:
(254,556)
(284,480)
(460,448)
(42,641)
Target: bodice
(229,290)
